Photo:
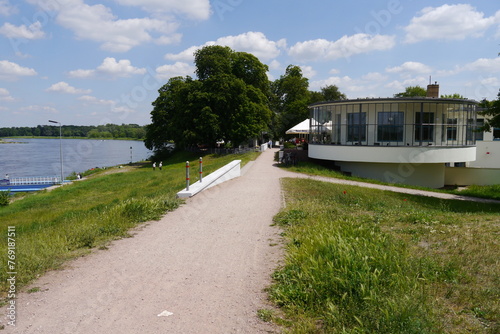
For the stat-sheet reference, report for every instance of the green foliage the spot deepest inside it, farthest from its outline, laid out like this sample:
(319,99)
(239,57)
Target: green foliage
(368,261)
(229,102)
(4,198)
(492,191)
(492,113)
(290,100)
(412,91)
(332,93)
(452,96)
(131,131)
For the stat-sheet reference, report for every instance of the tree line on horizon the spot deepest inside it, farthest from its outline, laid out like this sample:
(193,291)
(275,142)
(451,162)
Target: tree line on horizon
(107,131)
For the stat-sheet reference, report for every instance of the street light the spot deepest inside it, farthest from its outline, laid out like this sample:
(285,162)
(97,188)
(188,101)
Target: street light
(60,148)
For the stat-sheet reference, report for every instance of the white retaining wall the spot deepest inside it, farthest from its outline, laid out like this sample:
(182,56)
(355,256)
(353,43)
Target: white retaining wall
(225,173)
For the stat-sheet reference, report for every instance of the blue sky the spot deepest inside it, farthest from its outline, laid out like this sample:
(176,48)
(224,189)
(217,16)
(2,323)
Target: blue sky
(91,62)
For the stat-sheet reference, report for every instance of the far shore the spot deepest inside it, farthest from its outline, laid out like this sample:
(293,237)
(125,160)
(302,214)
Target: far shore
(57,137)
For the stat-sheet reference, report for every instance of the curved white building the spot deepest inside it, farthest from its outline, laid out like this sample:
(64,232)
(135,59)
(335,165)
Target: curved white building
(397,140)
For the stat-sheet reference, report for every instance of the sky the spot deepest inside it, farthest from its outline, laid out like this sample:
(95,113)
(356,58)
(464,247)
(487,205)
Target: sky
(92,62)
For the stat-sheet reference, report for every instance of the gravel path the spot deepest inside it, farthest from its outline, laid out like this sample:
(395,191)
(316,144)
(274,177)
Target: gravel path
(200,269)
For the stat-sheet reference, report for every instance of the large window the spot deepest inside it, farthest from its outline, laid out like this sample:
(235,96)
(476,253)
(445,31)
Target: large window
(451,129)
(424,126)
(390,126)
(496,133)
(356,127)
(479,134)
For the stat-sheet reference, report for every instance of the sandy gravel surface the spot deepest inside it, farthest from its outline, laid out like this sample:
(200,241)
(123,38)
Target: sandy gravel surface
(202,268)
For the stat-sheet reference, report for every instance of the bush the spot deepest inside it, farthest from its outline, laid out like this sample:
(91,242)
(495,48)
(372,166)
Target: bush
(4,198)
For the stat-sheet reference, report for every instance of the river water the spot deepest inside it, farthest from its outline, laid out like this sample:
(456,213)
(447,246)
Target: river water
(41,157)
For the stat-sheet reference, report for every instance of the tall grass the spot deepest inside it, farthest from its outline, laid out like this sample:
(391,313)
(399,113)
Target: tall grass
(367,261)
(54,226)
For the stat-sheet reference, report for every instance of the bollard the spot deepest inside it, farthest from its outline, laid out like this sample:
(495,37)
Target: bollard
(201,169)
(187,175)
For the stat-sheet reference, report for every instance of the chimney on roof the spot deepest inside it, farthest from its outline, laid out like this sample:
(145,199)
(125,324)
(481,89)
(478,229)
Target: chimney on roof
(433,90)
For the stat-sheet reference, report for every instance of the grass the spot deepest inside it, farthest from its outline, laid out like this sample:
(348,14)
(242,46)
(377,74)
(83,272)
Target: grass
(481,191)
(312,168)
(368,261)
(54,226)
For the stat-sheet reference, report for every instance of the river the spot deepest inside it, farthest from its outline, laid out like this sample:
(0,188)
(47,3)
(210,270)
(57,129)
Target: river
(41,157)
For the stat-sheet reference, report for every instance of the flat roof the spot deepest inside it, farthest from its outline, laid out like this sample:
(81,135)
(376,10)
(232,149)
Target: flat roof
(397,99)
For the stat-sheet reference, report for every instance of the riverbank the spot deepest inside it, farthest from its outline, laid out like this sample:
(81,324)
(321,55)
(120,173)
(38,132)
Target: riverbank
(71,220)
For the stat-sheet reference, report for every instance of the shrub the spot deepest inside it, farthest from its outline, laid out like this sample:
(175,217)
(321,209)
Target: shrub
(4,198)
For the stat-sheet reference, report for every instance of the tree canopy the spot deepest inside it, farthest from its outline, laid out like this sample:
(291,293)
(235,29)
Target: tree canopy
(492,113)
(111,131)
(228,101)
(412,91)
(290,100)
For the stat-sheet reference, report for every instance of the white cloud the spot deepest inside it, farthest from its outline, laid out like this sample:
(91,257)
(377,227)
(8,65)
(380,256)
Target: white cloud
(488,65)
(398,86)
(121,68)
(34,31)
(252,42)
(195,9)
(97,23)
(82,73)
(493,82)
(453,22)
(37,108)
(95,100)
(64,87)
(308,71)
(410,67)
(374,77)
(341,82)
(9,70)
(347,46)
(5,95)
(6,8)
(274,65)
(179,69)
(110,68)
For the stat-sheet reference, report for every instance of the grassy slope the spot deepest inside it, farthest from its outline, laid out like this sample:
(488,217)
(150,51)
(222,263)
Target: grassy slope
(54,226)
(368,261)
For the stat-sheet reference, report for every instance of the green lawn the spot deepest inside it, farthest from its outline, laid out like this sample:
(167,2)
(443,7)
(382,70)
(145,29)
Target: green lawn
(369,261)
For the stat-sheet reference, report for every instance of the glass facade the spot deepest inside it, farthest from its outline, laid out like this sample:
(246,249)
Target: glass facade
(394,122)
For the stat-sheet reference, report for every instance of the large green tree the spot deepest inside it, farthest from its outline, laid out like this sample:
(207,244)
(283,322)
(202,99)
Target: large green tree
(228,101)
(290,99)
(492,113)
(412,91)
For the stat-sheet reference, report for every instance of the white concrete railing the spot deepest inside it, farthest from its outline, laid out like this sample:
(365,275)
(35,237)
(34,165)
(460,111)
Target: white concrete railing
(225,173)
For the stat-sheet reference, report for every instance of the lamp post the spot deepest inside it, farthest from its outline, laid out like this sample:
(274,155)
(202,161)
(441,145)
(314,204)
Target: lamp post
(60,148)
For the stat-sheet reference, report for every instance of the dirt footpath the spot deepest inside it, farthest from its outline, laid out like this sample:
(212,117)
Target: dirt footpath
(200,269)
